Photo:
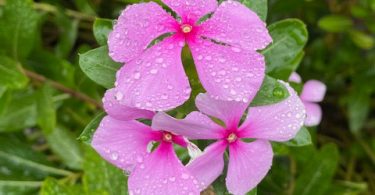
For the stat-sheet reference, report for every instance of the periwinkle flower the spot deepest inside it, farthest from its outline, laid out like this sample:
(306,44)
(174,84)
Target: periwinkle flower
(128,145)
(313,92)
(224,48)
(248,162)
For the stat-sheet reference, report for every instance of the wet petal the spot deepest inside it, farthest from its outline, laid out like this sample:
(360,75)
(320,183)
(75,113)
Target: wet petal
(137,26)
(295,77)
(229,112)
(195,126)
(235,24)
(209,166)
(276,122)
(112,106)
(313,114)
(228,73)
(313,91)
(162,173)
(123,143)
(248,165)
(191,10)
(156,80)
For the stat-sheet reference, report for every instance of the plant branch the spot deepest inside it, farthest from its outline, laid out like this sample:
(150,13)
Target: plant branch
(58,86)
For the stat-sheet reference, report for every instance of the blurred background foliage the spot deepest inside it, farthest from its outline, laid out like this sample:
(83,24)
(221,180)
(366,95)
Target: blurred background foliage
(46,100)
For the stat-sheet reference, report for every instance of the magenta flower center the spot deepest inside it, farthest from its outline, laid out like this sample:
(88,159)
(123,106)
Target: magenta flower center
(186,28)
(232,138)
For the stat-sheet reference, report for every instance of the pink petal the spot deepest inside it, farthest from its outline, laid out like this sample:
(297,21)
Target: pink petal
(162,173)
(195,126)
(294,77)
(191,10)
(116,110)
(248,165)
(313,91)
(276,122)
(235,24)
(137,26)
(209,166)
(229,112)
(313,114)
(123,143)
(156,81)
(226,72)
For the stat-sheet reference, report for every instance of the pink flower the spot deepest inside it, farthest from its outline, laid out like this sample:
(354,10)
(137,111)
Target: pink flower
(223,47)
(248,162)
(313,92)
(126,144)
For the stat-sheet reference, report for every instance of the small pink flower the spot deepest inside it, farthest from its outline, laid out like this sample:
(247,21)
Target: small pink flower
(224,49)
(313,92)
(128,145)
(248,162)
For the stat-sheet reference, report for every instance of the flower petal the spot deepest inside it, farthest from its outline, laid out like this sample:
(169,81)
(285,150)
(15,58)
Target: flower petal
(116,110)
(313,114)
(228,73)
(235,24)
(276,122)
(162,173)
(191,10)
(295,77)
(195,126)
(248,165)
(229,112)
(137,26)
(209,166)
(123,143)
(313,91)
(156,80)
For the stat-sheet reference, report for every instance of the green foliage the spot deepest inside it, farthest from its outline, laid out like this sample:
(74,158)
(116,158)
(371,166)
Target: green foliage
(317,174)
(19,22)
(260,7)
(99,67)
(11,75)
(271,92)
(102,27)
(49,94)
(284,54)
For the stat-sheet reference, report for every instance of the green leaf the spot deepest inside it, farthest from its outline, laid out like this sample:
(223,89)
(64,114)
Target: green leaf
(316,176)
(361,39)
(99,67)
(335,23)
(302,138)
(18,32)
(359,103)
(52,187)
(90,129)
(289,38)
(271,92)
(68,29)
(258,6)
(101,177)
(11,75)
(102,27)
(46,109)
(22,162)
(20,112)
(12,187)
(252,192)
(66,147)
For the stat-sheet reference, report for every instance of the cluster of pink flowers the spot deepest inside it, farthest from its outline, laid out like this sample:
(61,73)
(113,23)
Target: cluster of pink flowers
(152,81)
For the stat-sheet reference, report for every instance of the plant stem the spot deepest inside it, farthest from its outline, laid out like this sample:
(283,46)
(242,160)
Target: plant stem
(58,86)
